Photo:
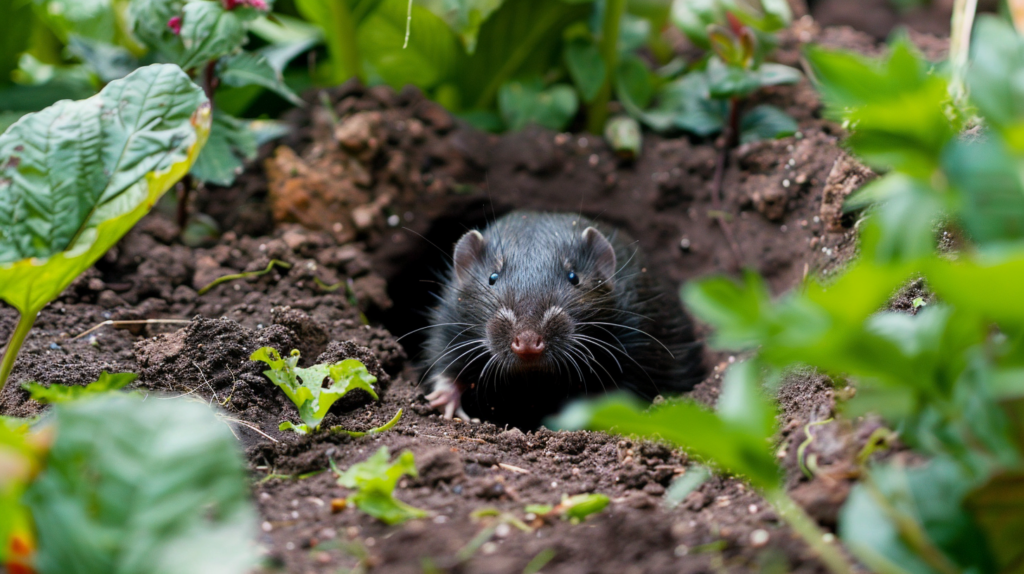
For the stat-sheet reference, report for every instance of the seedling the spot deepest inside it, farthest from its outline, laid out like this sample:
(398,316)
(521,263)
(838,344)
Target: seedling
(56,393)
(375,480)
(106,160)
(310,395)
(572,508)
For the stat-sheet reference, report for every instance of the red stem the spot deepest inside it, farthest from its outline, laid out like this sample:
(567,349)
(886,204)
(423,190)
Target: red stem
(731,139)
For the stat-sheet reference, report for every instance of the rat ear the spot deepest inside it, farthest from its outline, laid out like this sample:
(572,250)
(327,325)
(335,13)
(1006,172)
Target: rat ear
(468,252)
(601,252)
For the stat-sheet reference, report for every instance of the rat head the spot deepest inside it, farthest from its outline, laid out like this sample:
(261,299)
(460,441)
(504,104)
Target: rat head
(531,284)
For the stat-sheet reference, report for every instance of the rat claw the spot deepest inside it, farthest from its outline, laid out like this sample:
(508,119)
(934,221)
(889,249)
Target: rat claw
(448,397)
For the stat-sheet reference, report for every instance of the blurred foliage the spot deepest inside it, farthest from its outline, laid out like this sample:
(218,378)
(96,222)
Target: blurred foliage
(57,393)
(115,483)
(950,377)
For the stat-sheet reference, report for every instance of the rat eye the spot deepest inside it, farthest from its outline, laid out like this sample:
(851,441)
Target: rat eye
(493,278)
(574,278)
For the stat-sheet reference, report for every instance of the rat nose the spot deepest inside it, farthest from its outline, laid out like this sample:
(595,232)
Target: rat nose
(528,345)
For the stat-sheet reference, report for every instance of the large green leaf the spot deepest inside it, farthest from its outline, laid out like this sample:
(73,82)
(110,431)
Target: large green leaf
(76,176)
(430,57)
(142,487)
(586,66)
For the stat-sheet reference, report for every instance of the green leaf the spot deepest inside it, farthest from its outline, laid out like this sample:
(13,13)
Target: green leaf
(734,444)
(894,106)
(586,67)
(682,486)
(375,480)
(991,194)
(766,123)
(231,144)
(725,81)
(110,62)
(770,74)
(464,17)
(208,31)
(149,22)
(524,103)
(430,58)
(580,506)
(633,81)
(162,490)
(247,68)
(996,77)
(897,505)
(56,393)
(980,285)
(686,104)
(693,18)
(76,177)
(310,397)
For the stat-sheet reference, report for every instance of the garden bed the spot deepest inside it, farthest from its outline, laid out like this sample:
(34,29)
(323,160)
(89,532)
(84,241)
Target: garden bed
(362,199)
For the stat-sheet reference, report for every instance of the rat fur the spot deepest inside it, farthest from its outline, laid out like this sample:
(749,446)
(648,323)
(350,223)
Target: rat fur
(539,308)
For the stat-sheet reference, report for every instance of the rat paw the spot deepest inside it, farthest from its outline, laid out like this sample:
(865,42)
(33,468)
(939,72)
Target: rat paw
(448,397)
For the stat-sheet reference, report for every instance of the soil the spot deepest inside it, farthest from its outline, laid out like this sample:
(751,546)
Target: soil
(363,200)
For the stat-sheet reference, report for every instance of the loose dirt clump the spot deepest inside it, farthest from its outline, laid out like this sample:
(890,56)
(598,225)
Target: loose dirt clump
(361,203)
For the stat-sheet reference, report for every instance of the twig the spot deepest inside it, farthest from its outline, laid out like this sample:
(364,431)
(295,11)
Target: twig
(248,425)
(511,468)
(113,323)
(731,139)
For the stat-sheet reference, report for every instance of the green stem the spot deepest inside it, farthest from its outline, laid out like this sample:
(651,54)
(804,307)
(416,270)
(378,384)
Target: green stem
(342,43)
(597,111)
(25,322)
(515,59)
(960,45)
(809,530)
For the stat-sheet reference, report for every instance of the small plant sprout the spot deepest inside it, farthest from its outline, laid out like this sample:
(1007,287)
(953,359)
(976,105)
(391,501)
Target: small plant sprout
(573,508)
(56,393)
(104,161)
(374,481)
(310,395)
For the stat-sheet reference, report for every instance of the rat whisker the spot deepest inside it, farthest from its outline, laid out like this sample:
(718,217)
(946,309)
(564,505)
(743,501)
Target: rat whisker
(641,331)
(431,327)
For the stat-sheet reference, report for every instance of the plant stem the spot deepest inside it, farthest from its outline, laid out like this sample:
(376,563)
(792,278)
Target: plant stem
(597,111)
(25,322)
(731,137)
(184,187)
(341,43)
(960,45)
(808,530)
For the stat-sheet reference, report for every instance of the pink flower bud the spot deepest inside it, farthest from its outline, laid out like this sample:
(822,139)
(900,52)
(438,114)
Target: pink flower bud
(175,25)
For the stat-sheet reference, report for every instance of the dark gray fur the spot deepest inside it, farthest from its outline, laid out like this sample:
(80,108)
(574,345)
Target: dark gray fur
(646,344)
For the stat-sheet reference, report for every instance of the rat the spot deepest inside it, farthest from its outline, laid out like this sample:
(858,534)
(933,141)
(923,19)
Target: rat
(540,308)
